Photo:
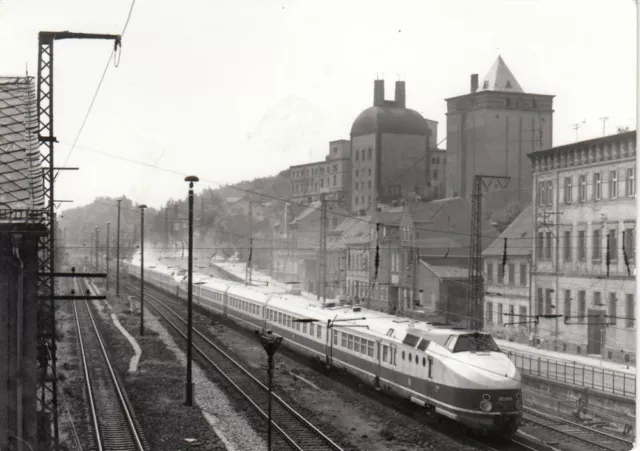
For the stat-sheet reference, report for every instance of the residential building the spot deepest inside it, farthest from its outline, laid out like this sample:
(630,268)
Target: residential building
(331,176)
(390,149)
(437,233)
(22,214)
(507,282)
(443,290)
(490,131)
(584,253)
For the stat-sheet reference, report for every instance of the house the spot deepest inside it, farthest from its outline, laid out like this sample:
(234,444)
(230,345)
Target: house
(507,287)
(437,232)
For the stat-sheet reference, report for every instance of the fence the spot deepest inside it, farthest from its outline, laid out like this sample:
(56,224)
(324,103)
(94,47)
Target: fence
(602,379)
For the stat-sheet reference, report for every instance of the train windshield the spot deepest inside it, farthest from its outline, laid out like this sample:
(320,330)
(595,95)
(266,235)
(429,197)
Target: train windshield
(476,343)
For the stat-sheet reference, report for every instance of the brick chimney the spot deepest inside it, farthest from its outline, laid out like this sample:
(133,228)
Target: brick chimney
(474,82)
(401,96)
(378,93)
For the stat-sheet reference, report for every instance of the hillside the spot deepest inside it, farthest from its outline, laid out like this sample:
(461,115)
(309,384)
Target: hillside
(220,220)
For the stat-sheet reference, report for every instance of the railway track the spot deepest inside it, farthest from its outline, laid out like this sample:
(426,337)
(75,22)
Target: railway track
(291,429)
(593,437)
(113,423)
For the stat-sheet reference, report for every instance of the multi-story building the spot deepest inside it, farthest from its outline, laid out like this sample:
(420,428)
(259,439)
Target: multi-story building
(584,254)
(331,176)
(438,174)
(390,149)
(491,130)
(507,282)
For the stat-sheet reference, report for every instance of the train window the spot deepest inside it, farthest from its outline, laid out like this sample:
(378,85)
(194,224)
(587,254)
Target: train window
(297,326)
(335,337)
(304,328)
(417,359)
(343,341)
(394,356)
(290,322)
(409,358)
(258,311)
(402,355)
(475,342)
(279,317)
(370,351)
(319,331)
(311,329)
(350,342)
(430,365)
(356,344)
(385,353)
(424,361)
(423,344)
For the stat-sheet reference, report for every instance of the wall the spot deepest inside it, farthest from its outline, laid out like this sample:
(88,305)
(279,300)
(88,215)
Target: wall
(403,162)
(363,184)
(9,300)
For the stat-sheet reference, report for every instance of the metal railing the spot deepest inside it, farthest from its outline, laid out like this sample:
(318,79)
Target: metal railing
(601,379)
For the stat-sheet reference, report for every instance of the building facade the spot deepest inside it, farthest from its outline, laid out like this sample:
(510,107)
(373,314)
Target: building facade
(390,146)
(491,130)
(507,281)
(331,176)
(584,249)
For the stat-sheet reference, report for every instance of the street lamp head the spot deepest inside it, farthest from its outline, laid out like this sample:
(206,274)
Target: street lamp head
(141,207)
(191,178)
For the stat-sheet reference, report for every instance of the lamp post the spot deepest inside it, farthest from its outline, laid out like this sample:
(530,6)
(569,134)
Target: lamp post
(107,257)
(118,253)
(189,402)
(270,343)
(142,207)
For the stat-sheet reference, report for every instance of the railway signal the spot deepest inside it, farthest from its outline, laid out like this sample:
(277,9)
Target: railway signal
(189,402)
(142,207)
(270,343)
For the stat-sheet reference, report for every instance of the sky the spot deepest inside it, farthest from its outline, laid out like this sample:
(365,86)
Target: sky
(237,89)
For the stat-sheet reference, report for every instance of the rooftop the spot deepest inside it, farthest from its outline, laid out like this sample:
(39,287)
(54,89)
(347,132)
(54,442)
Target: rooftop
(586,143)
(21,184)
(518,235)
(500,78)
(447,271)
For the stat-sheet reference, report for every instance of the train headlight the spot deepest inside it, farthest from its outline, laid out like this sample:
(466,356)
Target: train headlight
(485,404)
(519,401)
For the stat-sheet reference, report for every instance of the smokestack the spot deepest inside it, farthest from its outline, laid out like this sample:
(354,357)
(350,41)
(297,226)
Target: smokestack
(378,93)
(474,82)
(401,96)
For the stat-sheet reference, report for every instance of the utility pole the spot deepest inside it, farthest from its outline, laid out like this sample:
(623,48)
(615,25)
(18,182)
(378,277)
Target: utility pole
(248,269)
(107,257)
(142,207)
(322,291)
(97,249)
(118,254)
(475,295)
(604,122)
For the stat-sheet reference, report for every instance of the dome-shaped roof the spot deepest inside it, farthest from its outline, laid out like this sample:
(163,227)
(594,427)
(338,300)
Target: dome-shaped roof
(400,121)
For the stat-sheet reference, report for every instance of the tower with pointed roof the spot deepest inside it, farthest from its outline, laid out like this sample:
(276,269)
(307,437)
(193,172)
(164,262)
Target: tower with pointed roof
(491,130)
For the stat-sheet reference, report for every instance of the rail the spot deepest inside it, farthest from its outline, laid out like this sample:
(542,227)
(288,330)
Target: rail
(112,421)
(590,436)
(588,376)
(296,431)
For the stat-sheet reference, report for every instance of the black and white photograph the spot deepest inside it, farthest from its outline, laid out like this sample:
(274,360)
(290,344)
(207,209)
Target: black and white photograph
(260,225)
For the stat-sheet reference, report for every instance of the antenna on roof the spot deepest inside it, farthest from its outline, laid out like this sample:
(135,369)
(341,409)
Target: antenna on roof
(379,75)
(401,77)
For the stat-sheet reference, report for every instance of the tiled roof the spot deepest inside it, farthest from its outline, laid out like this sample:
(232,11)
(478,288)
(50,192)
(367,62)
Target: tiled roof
(389,217)
(447,272)
(518,235)
(21,185)
(312,208)
(356,231)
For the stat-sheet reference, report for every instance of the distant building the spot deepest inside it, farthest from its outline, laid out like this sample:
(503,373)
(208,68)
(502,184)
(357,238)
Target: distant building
(585,216)
(507,285)
(331,176)
(390,150)
(491,130)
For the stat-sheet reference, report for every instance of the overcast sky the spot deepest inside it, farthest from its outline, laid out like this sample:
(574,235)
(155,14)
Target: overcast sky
(232,90)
